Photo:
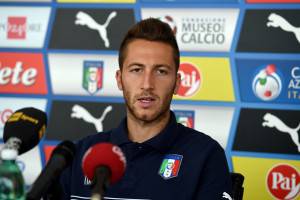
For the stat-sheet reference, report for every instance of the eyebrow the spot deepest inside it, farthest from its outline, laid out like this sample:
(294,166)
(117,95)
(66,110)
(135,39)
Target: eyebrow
(142,65)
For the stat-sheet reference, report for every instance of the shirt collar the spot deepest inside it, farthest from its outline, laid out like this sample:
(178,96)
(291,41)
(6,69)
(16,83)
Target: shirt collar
(161,141)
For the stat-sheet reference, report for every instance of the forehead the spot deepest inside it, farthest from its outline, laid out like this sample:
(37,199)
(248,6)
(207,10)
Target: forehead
(140,50)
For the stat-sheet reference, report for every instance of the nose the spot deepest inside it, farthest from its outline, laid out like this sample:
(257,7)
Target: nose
(147,81)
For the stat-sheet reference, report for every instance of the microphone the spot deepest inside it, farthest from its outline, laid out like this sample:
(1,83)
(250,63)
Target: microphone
(24,129)
(61,157)
(103,163)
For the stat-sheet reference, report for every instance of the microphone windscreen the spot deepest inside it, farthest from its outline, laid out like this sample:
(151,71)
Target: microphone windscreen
(104,154)
(26,124)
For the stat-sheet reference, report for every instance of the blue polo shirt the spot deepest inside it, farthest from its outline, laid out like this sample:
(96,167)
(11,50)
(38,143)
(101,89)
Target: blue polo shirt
(179,163)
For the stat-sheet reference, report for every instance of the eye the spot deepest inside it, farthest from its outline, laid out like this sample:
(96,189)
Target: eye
(135,69)
(162,71)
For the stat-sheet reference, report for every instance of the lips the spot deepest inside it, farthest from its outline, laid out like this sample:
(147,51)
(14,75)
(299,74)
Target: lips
(146,101)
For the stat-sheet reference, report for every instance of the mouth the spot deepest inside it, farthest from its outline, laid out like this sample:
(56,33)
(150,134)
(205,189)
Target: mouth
(146,101)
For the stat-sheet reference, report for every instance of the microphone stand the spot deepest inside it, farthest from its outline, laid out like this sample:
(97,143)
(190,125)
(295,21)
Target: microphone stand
(100,182)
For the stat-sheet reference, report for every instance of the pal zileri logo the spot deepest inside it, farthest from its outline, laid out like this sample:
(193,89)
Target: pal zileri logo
(190,80)
(283,182)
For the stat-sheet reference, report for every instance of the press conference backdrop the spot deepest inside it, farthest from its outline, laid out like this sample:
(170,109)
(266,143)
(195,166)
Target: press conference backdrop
(240,70)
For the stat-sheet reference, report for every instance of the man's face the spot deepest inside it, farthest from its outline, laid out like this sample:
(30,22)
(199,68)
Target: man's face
(148,79)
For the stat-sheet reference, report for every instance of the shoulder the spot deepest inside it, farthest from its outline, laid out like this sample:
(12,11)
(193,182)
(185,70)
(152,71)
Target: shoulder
(196,139)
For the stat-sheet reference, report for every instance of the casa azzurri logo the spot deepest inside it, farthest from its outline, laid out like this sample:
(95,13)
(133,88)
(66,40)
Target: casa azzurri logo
(269,81)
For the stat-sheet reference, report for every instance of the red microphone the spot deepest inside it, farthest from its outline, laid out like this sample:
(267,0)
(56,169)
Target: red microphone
(103,163)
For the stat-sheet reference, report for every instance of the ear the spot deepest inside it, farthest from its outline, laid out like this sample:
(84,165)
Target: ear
(119,79)
(178,81)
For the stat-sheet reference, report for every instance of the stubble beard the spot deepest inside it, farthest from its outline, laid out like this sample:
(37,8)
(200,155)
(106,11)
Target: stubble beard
(147,118)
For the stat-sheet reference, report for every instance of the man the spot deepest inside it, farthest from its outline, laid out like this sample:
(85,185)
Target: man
(165,160)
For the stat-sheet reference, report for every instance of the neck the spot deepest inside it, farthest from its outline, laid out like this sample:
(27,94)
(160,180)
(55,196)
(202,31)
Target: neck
(141,131)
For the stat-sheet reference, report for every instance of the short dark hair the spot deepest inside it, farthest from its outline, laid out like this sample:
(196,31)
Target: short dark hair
(150,29)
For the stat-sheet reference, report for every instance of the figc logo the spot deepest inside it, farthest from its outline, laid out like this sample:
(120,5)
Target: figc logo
(190,80)
(283,182)
(266,84)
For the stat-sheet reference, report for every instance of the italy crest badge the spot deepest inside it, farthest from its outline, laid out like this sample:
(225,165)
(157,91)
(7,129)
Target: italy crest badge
(170,166)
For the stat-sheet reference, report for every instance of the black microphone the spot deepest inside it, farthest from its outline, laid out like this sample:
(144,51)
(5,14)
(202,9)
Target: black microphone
(61,157)
(103,163)
(24,129)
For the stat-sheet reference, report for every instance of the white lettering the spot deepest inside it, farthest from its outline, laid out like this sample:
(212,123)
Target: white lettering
(285,183)
(19,29)
(16,76)
(207,38)
(277,178)
(16,73)
(119,152)
(293,94)
(294,71)
(28,77)
(187,80)
(5,73)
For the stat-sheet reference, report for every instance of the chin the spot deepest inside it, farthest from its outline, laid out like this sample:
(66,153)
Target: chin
(148,116)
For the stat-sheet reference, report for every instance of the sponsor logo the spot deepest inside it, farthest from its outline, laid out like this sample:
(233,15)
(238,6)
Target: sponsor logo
(277,31)
(5,114)
(260,171)
(26,28)
(170,166)
(278,82)
(190,80)
(9,105)
(283,182)
(80,112)
(277,21)
(86,181)
(19,27)
(98,28)
(198,29)
(185,117)
(206,118)
(21,116)
(209,30)
(226,196)
(82,119)
(294,84)
(99,81)
(22,73)
(271,131)
(201,78)
(92,76)
(117,150)
(273,121)
(170,21)
(266,84)
(85,19)
(16,27)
